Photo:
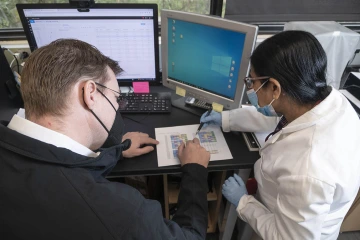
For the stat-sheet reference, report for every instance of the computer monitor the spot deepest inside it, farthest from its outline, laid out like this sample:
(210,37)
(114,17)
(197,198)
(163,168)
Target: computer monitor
(127,33)
(207,56)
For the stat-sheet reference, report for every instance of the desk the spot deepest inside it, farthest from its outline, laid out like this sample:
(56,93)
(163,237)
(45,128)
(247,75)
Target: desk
(147,164)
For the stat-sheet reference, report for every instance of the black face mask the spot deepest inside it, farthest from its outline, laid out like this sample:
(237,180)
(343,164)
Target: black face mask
(116,132)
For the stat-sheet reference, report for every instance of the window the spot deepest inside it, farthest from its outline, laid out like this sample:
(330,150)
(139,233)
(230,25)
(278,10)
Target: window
(9,17)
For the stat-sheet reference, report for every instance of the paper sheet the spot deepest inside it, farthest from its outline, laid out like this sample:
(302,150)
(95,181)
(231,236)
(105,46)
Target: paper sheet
(260,137)
(217,107)
(180,91)
(170,138)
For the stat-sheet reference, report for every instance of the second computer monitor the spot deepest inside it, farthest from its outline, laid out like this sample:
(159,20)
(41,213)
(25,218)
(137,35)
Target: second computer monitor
(206,56)
(127,33)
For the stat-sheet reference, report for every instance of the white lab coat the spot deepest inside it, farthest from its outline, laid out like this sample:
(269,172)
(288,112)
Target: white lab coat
(308,174)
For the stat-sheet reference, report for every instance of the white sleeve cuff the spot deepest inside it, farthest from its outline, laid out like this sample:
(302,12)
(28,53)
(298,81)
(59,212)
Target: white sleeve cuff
(225,115)
(242,203)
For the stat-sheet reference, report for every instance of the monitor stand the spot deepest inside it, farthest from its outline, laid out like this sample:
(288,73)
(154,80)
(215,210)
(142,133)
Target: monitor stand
(185,104)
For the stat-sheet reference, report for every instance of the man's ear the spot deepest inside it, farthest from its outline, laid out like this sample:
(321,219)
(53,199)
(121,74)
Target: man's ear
(276,88)
(89,94)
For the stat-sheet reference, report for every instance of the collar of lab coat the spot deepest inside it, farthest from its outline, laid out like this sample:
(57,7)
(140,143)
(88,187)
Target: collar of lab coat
(310,118)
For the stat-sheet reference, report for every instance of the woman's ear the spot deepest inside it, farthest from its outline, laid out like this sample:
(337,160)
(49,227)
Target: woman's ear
(276,88)
(89,94)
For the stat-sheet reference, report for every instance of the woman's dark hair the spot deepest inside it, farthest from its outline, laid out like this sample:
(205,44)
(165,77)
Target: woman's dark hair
(297,60)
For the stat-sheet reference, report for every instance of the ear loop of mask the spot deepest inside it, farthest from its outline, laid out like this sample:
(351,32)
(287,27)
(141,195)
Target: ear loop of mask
(102,124)
(106,99)
(272,101)
(262,86)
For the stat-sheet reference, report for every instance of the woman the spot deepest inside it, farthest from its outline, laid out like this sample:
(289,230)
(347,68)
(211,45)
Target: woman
(308,172)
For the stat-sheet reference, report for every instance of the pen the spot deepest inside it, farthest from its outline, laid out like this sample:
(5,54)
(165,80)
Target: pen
(202,124)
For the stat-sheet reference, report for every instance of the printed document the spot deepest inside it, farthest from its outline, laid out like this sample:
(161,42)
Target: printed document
(170,138)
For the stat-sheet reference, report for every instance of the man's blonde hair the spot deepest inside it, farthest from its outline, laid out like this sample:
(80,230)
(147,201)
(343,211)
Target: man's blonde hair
(52,70)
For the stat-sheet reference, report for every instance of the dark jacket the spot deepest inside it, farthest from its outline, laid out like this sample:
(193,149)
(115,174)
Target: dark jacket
(48,192)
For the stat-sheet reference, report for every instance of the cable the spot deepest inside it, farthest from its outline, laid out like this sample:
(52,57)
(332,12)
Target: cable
(15,58)
(352,59)
(353,85)
(12,68)
(17,64)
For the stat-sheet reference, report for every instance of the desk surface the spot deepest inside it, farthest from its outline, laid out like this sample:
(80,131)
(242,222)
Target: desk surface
(147,164)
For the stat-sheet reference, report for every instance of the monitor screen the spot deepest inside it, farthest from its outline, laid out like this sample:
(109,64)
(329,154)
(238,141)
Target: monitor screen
(125,33)
(204,57)
(208,56)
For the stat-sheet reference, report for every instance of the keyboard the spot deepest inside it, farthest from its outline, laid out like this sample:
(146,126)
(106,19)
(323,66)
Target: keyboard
(147,102)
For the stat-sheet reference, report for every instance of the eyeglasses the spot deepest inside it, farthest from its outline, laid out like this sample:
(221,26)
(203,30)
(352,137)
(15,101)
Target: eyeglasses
(121,100)
(249,81)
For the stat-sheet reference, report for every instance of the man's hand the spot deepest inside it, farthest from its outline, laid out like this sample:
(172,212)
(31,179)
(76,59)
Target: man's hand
(193,153)
(137,147)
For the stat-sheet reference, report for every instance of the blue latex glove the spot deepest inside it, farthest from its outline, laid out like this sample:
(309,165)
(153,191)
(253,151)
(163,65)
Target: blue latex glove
(233,189)
(214,118)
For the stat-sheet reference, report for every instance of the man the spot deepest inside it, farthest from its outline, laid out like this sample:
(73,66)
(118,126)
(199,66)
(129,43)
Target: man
(53,163)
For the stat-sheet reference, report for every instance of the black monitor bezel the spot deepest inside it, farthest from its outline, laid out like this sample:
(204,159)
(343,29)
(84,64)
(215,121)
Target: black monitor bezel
(32,45)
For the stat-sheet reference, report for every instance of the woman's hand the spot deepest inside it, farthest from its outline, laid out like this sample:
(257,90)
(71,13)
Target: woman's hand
(233,189)
(214,118)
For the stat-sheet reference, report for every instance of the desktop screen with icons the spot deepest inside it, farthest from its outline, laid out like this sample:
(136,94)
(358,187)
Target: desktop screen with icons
(127,33)
(206,56)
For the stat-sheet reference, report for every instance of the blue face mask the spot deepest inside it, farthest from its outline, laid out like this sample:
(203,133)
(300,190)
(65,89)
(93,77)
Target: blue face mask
(267,110)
